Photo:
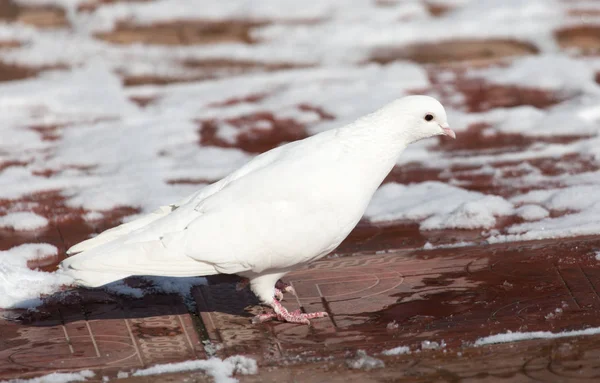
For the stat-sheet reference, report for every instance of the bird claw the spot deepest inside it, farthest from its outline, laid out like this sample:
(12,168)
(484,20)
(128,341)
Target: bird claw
(278,294)
(264,317)
(281,313)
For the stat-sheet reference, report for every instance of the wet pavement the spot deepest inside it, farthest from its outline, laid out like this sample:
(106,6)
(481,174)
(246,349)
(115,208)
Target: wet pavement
(376,300)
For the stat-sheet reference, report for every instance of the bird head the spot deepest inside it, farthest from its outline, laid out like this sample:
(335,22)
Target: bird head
(421,117)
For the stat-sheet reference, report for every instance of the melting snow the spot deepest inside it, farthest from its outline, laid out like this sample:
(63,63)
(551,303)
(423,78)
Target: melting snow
(432,345)
(401,350)
(362,361)
(21,287)
(437,205)
(220,370)
(58,377)
(518,336)
(23,221)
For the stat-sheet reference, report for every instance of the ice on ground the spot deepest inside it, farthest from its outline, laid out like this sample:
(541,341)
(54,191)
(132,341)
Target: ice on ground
(362,361)
(519,336)
(220,370)
(597,256)
(432,345)
(401,350)
(437,206)
(58,377)
(21,287)
(23,220)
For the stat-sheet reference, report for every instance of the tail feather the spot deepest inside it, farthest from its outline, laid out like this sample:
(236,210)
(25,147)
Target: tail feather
(121,230)
(107,264)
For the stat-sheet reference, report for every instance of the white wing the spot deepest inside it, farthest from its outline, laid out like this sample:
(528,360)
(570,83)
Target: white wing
(197,197)
(246,221)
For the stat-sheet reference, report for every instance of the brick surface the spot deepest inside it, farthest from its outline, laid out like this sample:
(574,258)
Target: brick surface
(98,332)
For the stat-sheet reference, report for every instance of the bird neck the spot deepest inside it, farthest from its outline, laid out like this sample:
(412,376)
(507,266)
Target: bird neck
(375,141)
(378,137)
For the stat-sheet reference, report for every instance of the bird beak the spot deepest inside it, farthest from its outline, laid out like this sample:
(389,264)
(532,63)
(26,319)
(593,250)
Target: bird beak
(447,131)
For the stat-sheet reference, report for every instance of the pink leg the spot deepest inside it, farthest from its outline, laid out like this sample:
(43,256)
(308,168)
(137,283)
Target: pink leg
(260,318)
(283,315)
(295,316)
(280,288)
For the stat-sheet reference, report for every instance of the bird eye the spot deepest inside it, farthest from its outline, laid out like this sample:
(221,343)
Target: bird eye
(428,117)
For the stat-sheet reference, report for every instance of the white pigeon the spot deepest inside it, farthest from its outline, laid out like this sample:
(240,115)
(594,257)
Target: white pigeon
(291,205)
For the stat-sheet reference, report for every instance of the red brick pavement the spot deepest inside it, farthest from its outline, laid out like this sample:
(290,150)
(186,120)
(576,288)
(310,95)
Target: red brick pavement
(376,302)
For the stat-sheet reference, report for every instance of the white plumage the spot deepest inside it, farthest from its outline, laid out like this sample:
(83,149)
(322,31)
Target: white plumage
(288,206)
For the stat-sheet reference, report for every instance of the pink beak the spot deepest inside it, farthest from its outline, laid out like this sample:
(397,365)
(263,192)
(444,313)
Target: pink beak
(448,132)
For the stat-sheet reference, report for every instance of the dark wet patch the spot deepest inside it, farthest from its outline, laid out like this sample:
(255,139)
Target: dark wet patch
(8,44)
(10,163)
(536,286)
(478,138)
(413,173)
(207,69)
(48,132)
(249,99)
(454,51)
(479,95)
(573,163)
(67,226)
(583,38)
(369,237)
(258,132)
(323,115)
(262,131)
(48,172)
(189,181)
(143,101)
(39,16)
(92,5)
(437,9)
(183,32)
(12,72)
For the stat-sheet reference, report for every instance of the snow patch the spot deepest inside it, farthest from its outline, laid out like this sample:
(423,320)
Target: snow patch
(519,336)
(21,287)
(401,350)
(437,205)
(561,73)
(532,212)
(432,345)
(362,361)
(58,377)
(23,220)
(220,370)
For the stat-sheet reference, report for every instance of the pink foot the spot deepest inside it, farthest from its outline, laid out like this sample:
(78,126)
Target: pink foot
(283,315)
(260,318)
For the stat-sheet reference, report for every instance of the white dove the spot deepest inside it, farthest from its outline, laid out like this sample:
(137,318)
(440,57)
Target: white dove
(291,205)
